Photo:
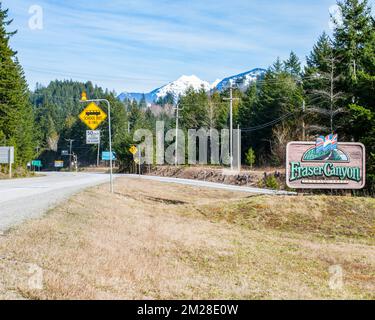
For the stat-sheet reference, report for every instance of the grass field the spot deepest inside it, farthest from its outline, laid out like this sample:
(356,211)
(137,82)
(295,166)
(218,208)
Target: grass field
(164,241)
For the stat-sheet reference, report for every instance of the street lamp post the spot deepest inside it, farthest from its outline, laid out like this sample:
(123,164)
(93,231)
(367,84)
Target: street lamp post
(85,100)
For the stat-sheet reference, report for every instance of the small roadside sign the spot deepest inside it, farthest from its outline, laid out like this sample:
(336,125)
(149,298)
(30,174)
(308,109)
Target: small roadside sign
(92,137)
(133,150)
(93,116)
(65,152)
(7,155)
(106,156)
(36,163)
(59,164)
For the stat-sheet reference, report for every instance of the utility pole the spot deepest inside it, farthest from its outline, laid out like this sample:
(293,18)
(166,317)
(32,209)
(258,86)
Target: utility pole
(85,100)
(239,147)
(70,152)
(231,125)
(177,117)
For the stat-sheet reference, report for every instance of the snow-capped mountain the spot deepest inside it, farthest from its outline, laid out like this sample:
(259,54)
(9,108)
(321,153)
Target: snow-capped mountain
(242,80)
(179,87)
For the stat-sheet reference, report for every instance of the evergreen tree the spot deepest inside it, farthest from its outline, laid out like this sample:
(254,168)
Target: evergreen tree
(143,103)
(194,105)
(16,114)
(293,65)
(351,36)
(279,95)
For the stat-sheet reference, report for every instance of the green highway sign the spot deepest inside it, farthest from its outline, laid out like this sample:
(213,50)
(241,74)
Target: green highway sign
(36,163)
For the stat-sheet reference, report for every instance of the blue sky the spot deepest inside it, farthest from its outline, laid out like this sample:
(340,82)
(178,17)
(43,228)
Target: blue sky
(138,45)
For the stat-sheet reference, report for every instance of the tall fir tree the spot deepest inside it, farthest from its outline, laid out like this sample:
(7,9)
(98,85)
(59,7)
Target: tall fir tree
(16,114)
(293,65)
(351,34)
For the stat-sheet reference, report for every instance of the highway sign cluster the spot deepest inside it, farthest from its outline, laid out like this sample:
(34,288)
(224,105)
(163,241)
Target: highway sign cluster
(93,116)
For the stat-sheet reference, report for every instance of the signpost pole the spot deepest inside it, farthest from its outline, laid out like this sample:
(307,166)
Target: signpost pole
(10,163)
(98,157)
(110,144)
(139,159)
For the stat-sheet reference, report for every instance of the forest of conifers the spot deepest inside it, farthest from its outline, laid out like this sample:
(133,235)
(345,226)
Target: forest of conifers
(332,92)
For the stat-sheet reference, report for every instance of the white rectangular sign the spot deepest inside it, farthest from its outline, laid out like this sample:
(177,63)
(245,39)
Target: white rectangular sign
(7,155)
(59,164)
(92,137)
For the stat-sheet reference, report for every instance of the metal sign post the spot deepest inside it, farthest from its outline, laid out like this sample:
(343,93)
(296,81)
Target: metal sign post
(139,159)
(93,117)
(10,164)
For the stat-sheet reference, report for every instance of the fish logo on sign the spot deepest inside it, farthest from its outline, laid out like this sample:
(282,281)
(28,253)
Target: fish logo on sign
(93,116)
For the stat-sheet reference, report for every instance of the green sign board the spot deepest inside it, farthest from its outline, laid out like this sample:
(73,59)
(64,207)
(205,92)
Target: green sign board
(36,163)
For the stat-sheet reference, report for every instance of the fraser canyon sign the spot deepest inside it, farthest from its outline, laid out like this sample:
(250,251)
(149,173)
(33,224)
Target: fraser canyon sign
(326,164)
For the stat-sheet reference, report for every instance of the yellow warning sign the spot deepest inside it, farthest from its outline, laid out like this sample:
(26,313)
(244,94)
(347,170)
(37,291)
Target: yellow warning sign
(93,116)
(133,150)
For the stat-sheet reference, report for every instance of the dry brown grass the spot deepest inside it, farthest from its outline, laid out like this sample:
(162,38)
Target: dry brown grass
(163,241)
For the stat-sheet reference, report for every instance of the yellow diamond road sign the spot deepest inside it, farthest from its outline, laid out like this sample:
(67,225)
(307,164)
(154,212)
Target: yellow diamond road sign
(133,150)
(93,116)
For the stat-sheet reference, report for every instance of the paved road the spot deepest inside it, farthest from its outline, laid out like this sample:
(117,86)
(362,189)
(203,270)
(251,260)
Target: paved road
(212,185)
(22,199)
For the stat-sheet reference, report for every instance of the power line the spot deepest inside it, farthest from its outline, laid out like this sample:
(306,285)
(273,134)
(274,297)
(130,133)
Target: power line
(269,124)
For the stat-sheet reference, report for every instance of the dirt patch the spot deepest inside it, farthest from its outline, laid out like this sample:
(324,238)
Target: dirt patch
(164,241)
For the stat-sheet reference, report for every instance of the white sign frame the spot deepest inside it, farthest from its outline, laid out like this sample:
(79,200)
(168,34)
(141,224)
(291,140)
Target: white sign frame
(93,137)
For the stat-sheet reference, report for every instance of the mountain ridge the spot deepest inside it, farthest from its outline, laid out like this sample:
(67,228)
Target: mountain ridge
(179,86)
